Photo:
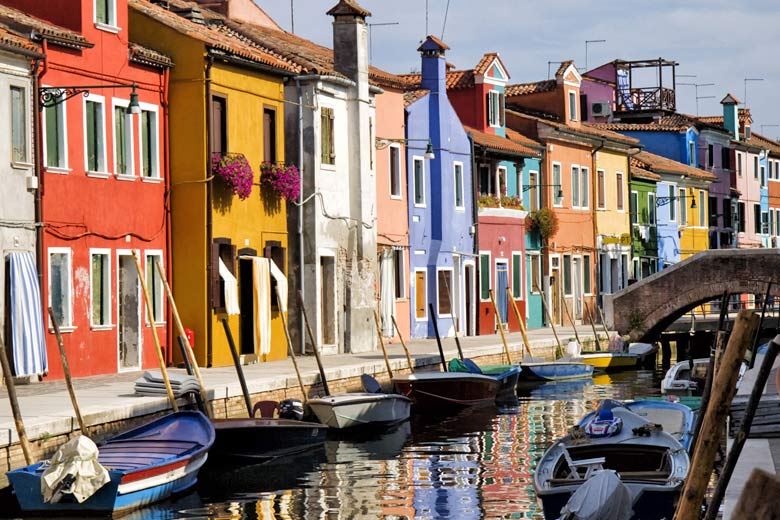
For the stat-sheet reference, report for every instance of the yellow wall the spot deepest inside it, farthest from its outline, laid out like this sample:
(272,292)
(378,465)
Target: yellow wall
(695,235)
(610,221)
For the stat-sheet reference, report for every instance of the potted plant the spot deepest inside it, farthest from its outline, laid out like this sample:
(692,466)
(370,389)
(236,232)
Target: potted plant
(234,170)
(285,180)
(545,221)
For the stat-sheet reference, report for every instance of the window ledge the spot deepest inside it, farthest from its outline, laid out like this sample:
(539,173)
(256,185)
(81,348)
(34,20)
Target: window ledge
(102,327)
(107,27)
(57,170)
(157,324)
(328,167)
(397,197)
(125,177)
(401,299)
(21,165)
(64,329)
(152,180)
(98,175)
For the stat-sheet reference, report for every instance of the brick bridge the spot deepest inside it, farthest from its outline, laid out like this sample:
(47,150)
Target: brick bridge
(646,308)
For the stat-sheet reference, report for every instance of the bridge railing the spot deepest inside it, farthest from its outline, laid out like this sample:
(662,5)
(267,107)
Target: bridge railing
(711,309)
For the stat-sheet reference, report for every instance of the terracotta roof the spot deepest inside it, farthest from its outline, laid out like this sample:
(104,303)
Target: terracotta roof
(147,56)
(434,39)
(563,66)
(764,142)
(38,29)
(348,7)
(486,60)
(10,38)
(520,138)
(658,164)
(712,120)
(410,96)
(496,143)
(730,99)
(669,123)
(210,37)
(588,130)
(455,79)
(640,173)
(523,89)
(743,115)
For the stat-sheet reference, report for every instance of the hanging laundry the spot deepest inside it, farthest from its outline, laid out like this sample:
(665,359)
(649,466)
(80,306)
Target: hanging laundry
(231,289)
(27,340)
(261,271)
(281,286)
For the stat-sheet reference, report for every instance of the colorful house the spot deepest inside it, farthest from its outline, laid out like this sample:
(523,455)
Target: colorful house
(772,159)
(227,106)
(441,208)
(644,230)
(103,123)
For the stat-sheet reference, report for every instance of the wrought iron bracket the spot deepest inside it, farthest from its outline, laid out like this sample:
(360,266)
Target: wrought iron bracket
(53,96)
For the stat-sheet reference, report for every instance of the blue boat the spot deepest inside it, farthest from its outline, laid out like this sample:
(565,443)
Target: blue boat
(145,465)
(507,377)
(560,370)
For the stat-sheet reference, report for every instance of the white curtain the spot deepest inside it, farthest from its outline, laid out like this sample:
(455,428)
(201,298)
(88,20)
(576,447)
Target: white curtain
(387,292)
(261,271)
(231,289)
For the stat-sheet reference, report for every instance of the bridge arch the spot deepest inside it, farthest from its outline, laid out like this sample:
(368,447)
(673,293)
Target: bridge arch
(646,308)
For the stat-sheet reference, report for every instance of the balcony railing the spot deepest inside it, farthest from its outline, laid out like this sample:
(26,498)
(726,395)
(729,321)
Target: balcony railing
(645,99)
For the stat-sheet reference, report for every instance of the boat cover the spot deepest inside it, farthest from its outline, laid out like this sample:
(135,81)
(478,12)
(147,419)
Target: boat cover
(77,457)
(602,497)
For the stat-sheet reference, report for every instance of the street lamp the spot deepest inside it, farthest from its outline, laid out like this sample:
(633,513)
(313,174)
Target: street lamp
(559,194)
(383,142)
(53,96)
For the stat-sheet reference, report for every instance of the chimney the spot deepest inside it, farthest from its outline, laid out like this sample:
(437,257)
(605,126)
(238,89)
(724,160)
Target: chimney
(434,64)
(730,116)
(350,40)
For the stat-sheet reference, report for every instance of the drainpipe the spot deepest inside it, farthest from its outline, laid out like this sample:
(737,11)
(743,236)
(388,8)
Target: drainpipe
(209,288)
(475,219)
(38,168)
(301,265)
(167,205)
(594,190)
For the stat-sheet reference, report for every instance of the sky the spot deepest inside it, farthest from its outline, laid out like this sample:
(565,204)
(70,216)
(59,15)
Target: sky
(720,42)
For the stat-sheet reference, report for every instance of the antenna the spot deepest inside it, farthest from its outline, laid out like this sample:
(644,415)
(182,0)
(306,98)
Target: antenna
(586,50)
(444,25)
(548,66)
(292,16)
(698,97)
(370,41)
(426,18)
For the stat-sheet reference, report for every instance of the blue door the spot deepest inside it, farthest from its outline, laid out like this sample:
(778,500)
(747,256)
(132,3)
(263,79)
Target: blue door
(502,282)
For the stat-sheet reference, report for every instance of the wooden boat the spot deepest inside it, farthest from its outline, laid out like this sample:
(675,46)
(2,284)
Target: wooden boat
(447,390)
(265,438)
(610,360)
(146,464)
(560,370)
(650,462)
(647,352)
(361,409)
(507,376)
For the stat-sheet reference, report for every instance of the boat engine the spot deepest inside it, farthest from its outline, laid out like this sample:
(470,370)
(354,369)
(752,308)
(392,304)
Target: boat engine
(291,409)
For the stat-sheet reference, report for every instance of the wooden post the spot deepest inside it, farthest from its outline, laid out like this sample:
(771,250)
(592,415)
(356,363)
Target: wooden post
(500,327)
(593,326)
(568,315)
(454,320)
(282,313)
(526,344)
(382,344)
(313,344)
(438,338)
(603,323)
(403,344)
(760,497)
(754,347)
(237,364)
(550,320)
(157,347)
(723,390)
(9,382)
(187,347)
(66,371)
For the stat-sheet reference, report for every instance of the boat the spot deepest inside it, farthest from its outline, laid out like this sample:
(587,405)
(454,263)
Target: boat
(602,497)
(560,370)
(506,375)
(447,390)
(265,438)
(686,377)
(650,462)
(609,360)
(355,409)
(145,465)
(647,352)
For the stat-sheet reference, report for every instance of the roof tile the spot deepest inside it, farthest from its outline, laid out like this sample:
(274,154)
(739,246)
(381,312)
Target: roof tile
(147,56)
(498,143)
(41,29)
(658,164)
(410,96)
(13,39)
(523,89)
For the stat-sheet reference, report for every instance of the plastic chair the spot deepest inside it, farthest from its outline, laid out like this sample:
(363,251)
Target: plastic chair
(267,408)
(590,465)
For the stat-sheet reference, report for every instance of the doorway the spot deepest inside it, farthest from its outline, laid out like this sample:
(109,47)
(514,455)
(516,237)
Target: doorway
(502,283)
(128,313)
(247,306)
(468,284)
(555,289)
(327,300)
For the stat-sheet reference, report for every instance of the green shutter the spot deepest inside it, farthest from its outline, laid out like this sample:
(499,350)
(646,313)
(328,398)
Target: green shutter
(53,152)
(120,137)
(484,276)
(516,277)
(92,161)
(566,274)
(101,11)
(586,274)
(146,143)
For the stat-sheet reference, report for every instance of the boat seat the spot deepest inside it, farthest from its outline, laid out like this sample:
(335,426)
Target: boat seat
(590,465)
(267,408)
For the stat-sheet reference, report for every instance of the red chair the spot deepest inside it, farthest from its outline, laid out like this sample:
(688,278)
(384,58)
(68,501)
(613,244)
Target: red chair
(267,408)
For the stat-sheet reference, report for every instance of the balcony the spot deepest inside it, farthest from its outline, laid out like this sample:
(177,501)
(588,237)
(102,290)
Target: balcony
(645,99)
(492,206)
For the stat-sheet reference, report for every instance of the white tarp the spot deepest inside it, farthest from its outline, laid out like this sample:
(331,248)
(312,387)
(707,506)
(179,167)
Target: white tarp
(77,457)
(602,497)
(231,289)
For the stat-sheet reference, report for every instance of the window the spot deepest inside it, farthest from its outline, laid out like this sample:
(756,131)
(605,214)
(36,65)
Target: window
(155,286)
(419,182)
(764,222)
(757,218)
(400,273)
(672,203)
(557,185)
(94,140)
(586,283)
(327,148)
(123,140)
(444,288)
(567,288)
(739,164)
(725,158)
(633,208)
(619,191)
(572,105)
(683,207)
(100,294)
(601,190)
(420,295)
(55,147)
(533,190)
(585,193)
(485,180)
(727,218)
(712,204)
(517,276)
(755,167)
(500,182)
(763,176)
(536,273)
(770,164)
(651,205)
(692,153)
(219,144)
(274,251)
(495,108)
(60,286)
(458,173)
(19,126)
(149,145)
(269,135)
(395,171)
(741,216)
(575,187)
(710,156)
(484,276)
(702,208)
(105,12)
(771,221)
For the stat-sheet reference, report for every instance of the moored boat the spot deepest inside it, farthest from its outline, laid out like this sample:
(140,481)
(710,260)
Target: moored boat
(647,352)
(447,390)
(361,409)
(559,370)
(610,360)
(265,438)
(145,465)
(506,375)
(686,377)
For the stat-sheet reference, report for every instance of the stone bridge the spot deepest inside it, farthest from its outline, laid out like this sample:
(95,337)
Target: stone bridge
(646,308)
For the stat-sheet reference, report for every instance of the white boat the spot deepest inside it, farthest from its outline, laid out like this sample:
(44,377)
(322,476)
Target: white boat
(651,463)
(647,353)
(681,379)
(361,409)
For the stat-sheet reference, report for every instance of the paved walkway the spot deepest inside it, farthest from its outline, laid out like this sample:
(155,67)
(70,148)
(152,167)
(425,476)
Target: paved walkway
(47,410)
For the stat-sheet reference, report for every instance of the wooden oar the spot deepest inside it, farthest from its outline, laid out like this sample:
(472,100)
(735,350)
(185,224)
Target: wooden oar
(382,344)
(568,315)
(550,320)
(593,326)
(403,344)
(500,327)
(282,312)
(237,363)
(438,338)
(66,371)
(9,383)
(313,345)
(526,344)
(184,339)
(150,316)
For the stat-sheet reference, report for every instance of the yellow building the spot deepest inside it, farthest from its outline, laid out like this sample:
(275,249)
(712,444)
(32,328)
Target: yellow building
(226,98)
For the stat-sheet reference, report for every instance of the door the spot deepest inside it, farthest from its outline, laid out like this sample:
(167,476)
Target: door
(468,283)
(577,281)
(457,310)
(502,282)
(247,306)
(129,313)
(555,295)
(328,300)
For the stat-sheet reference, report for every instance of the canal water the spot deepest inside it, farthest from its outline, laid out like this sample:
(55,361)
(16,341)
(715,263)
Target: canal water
(478,464)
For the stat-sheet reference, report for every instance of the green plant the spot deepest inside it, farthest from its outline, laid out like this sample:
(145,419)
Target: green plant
(635,319)
(488,201)
(545,221)
(512,202)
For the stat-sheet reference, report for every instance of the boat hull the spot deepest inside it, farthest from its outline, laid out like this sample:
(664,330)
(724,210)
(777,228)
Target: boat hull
(361,410)
(448,390)
(649,505)
(555,371)
(264,439)
(610,360)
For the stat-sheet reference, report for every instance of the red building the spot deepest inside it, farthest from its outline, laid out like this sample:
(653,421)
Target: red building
(103,157)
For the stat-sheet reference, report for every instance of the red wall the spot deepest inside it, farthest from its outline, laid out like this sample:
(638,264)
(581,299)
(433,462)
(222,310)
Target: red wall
(66,13)
(470,105)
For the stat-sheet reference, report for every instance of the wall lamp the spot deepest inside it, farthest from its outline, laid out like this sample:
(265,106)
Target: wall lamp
(383,142)
(559,194)
(663,201)
(53,96)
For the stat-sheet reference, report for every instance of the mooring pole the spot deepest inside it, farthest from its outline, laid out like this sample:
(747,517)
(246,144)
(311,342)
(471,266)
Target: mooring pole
(17,412)
(438,338)
(66,372)
(237,363)
(317,355)
(757,338)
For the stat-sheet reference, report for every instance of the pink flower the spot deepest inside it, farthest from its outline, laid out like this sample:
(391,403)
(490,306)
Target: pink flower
(285,180)
(235,170)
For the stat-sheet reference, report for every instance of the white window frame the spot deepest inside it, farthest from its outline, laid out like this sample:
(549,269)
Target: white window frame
(494,281)
(157,253)
(494,107)
(575,181)
(739,164)
(423,270)
(519,254)
(620,190)
(489,254)
(102,171)
(533,189)
(111,26)
(108,297)
(601,187)
(62,137)
(573,112)
(462,206)
(402,271)
(27,123)
(451,292)
(390,149)
(584,187)
(692,153)
(67,325)
(555,187)
(423,204)
(157,170)
(123,103)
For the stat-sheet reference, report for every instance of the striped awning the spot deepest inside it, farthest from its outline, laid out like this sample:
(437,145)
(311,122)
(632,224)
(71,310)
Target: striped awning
(27,332)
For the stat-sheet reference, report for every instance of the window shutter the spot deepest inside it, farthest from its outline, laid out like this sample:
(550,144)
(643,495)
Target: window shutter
(488,109)
(419,294)
(120,139)
(516,276)
(146,143)
(214,279)
(484,276)
(91,140)
(331,137)
(52,137)
(501,109)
